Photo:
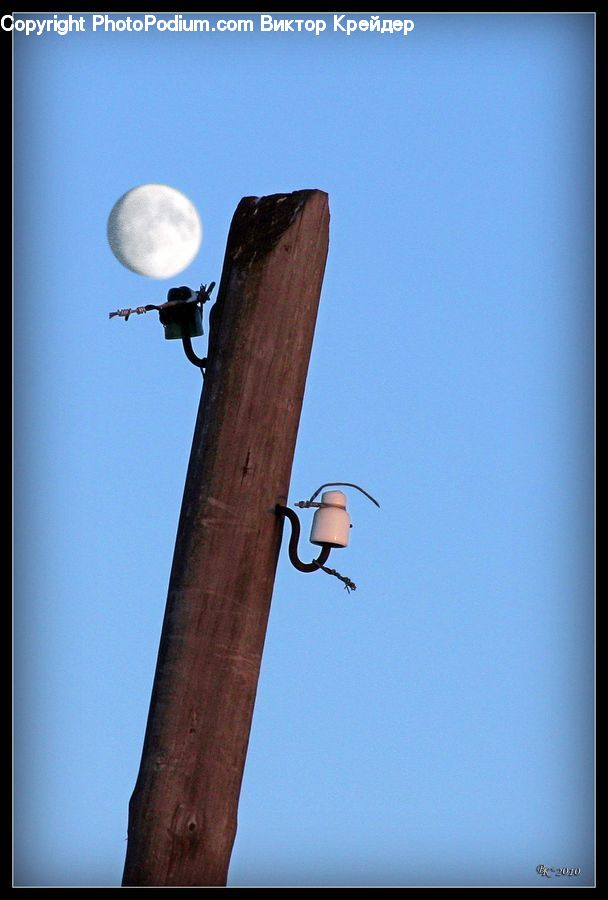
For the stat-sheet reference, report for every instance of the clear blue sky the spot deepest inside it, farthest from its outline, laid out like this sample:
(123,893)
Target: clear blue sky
(436,726)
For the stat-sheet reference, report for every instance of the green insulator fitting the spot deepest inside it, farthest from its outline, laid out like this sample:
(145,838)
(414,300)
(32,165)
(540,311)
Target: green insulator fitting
(183,320)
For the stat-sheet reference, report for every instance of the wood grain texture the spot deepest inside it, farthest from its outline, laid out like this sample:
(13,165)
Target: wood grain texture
(183,812)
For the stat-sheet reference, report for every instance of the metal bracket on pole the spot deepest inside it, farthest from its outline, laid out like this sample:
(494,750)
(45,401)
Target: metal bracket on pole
(200,361)
(295,560)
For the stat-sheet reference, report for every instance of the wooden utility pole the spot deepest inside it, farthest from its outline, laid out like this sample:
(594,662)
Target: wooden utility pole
(183,812)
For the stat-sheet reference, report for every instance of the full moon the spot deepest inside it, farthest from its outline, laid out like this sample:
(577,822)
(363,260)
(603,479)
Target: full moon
(154,230)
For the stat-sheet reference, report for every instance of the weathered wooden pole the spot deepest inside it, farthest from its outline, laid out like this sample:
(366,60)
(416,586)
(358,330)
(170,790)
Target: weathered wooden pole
(183,812)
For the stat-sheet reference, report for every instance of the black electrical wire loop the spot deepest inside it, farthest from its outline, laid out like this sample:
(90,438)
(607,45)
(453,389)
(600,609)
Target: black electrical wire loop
(304,503)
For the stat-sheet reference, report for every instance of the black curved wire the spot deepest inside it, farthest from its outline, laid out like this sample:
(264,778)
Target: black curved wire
(199,361)
(343,484)
(323,556)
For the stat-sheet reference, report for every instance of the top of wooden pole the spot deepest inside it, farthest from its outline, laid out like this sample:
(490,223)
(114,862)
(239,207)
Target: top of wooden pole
(257,226)
(259,222)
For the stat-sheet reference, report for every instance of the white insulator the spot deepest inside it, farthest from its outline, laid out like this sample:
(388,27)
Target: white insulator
(331,522)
